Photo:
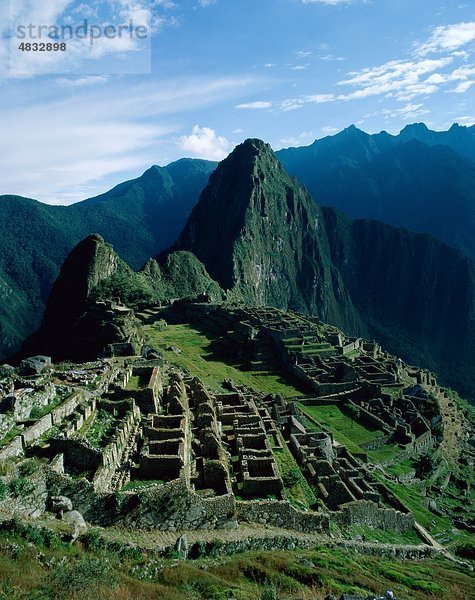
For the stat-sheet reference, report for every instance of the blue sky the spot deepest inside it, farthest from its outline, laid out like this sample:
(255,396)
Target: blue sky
(286,71)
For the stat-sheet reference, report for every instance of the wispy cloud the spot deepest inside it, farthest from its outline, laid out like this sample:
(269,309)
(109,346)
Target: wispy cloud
(302,138)
(299,67)
(408,112)
(328,129)
(74,82)
(92,53)
(300,102)
(204,142)
(91,140)
(403,79)
(447,38)
(328,2)
(331,58)
(432,66)
(258,105)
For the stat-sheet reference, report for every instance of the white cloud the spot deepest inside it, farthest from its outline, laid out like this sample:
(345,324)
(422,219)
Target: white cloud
(328,2)
(164,4)
(206,3)
(410,111)
(83,143)
(448,38)
(464,120)
(403,79)
(319,98)
(299,67)
(238,130)
(82,81)
(328,130)
(297,103)
(131,53)
(259,105)
(331,58)
(463,87)
(303,137)
(204,142)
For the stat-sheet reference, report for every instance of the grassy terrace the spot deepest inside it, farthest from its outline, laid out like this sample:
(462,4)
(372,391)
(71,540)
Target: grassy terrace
(297,490)
(348,432)
(95,569)
(98,428)
(345,430)
(200,359)
(7,438)
(138,382)
(40,411)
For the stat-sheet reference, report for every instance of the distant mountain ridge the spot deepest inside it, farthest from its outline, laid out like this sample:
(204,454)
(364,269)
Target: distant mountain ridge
(421,180)
(409,180)
(140,218)
(258,237)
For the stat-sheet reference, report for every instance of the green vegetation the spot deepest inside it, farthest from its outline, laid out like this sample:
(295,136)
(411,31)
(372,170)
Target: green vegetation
(385,453)
(297,490)
(369,534)
(21,486)
(98,427)
(137,382)
(197,356)
(345,430)
(100,568)
(40,411)
(7,438)
(35,238)
(412,496)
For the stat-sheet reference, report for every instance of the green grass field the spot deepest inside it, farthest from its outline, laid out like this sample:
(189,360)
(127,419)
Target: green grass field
(94,569)
(345,430)
(197,357)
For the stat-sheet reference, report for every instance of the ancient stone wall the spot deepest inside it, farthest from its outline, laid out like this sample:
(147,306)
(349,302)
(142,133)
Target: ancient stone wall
(279,513)
(68,406)
(369,419)
(370,514)
(78,457)
(112,454)
(31,434)
(14,448)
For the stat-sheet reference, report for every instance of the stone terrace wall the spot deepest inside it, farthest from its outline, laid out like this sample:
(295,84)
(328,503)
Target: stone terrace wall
(32,433)
(174,506)
(280,513)
(68,406)
(112,454)
(14,448)
(370,514)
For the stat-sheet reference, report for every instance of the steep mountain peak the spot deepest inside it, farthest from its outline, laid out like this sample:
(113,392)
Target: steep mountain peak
(250,154)
(352,129)
(258,233)
(90,262)
(414,128)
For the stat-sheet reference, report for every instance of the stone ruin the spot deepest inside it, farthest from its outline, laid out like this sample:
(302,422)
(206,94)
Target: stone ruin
(138,443)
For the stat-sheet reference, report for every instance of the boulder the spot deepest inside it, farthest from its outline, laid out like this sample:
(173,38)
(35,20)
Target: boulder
(34,365)
(75,520)
(181,546)
(60,504)
(6,370)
